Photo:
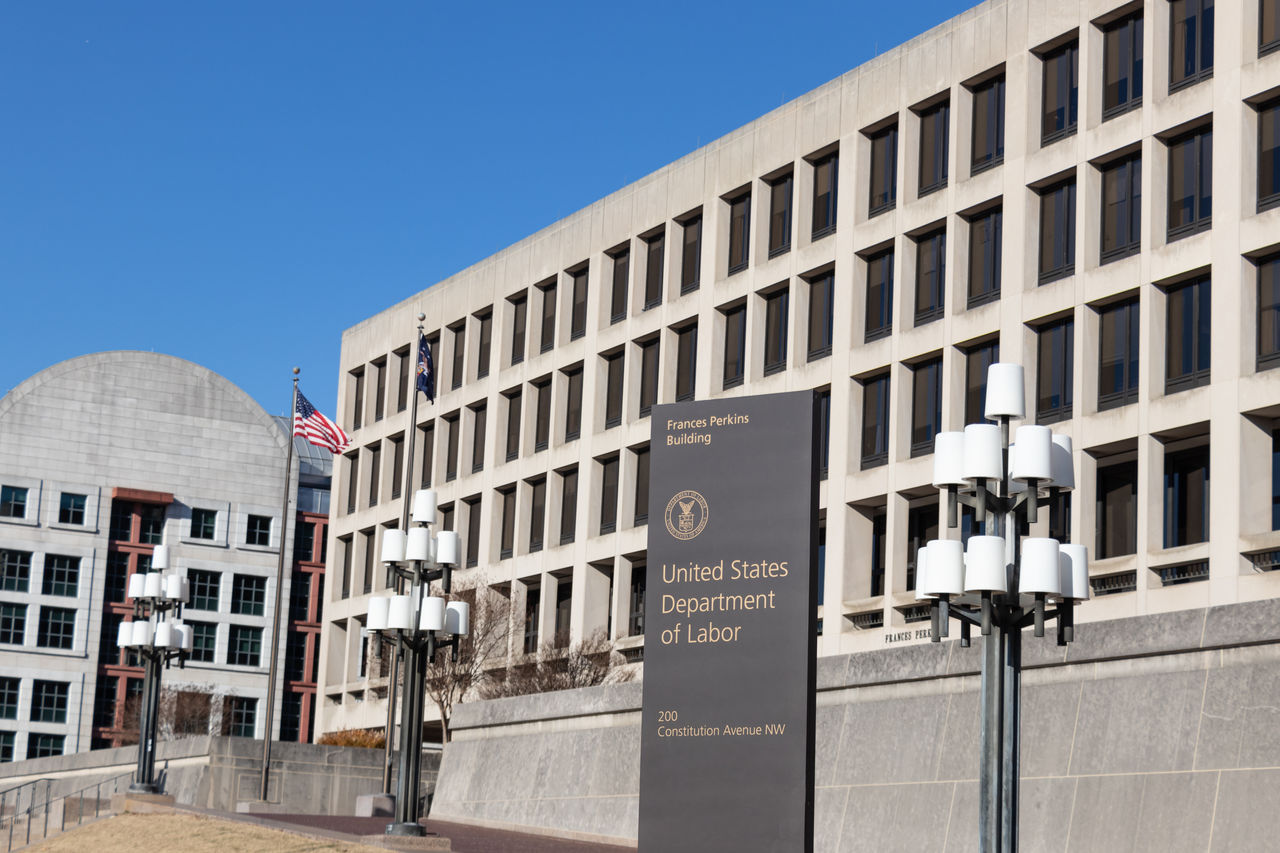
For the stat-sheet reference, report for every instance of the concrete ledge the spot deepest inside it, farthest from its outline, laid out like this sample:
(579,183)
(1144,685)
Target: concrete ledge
(562,704)
(142,803)
(259,807)
(408,842)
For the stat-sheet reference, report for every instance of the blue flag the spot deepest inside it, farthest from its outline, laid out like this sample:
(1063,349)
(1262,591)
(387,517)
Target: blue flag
(426,369)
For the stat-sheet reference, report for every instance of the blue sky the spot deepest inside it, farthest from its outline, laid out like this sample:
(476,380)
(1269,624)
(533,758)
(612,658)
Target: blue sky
(235,183)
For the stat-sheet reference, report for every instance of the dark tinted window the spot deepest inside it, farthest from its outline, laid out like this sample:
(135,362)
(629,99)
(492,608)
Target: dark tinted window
(1055,371)
(1122,66)
(735,345)
(875,421)
(988,125)
(691,254)
(1269,312)
(578,318)
(1187,336)
(934,136)
(686,362)
(1060,93)
(884,170)
(548,331)
(1186,497)
(613,390)
(1190,42)
(513,425)
(1121,208)
(985,250)
(1118,355)
(648,376)
(1117,510)
(519,318)
(931,273)
(573,404)
(739,232)
(821,294)
(655,252)
(780,216)
(1190,183)
(775,331)
(926,405)
(618,293)
(825,179)
(1058,232)
(879,295)
(976,362)
(1269,156)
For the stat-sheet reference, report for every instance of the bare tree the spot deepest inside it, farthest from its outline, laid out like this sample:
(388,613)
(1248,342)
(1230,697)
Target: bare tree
(589,662)
(184,713)
(450,681)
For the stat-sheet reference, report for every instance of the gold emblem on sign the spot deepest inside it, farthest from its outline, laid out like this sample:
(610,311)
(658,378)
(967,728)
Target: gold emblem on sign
(687,514)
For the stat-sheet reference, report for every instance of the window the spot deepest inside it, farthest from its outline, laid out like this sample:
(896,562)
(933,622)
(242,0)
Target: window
(406,380)
(1058,232)
(655,251)
(479,425)
(258,530)
(618,295)
(13,623)
(15,571)
(985,250)
(205,587)
(1117,510)
(691,254)
(824,434)
(300,596)
(1060,93)
(976,361)
(648,376)
(1055,371)
(473,532)
(43,745)
(346,547)
(61,575)
(780,215)
(1269,312)
(988,125)
(1275,479)
(116,574)
(71,509)
(568,505)
(821,294)
(9,698)
(513,425)
(578,312)
(922,527)
(204,523)
(248,595)
(879,542)
(6,747)
(13,502)
(608,494)
(735,345)
(775,331)
(931,275)
(879,296)
(537,513)
(1187,336)
(485,322)
(245,646)
(1118,355)
(1121,208)
(934,136)
(1190,42)
(367,549)
(875,421)
(573,403)
(548,335)
(926,405)
(635,602)
(357,397)
(507,542)
(564,607)
(642,486)
(397,466)
(295,657)
(1122,66)
(459,354)
(613,390)
(428,443)
(380,388)
(451,448)
(1191,183)
(375,471)
(353,480)
(242,716)
(1186,497)
(1269,156)
(825,177)
(884,170)
(519,318)
(739,232)
(57,628)
(686,362)
(542,425)
(49,701)
(532,604)
(204,641)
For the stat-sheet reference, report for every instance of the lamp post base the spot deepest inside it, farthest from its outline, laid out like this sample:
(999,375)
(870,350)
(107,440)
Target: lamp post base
(406,829)
(144,788)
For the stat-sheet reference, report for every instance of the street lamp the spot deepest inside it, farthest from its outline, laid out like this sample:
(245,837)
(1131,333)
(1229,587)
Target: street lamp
(158,637)
(417,623)
(1004,579)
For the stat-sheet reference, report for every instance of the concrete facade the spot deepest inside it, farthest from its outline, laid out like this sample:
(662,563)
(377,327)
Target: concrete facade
(489,320)
(102,457)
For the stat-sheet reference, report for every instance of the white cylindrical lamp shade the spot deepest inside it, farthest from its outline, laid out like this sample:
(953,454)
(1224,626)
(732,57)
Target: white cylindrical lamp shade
(164,635)
(160,558)
(946,567)
(1035,453)
(141,633)
(137,585)
(393,546)
(1005,395)
(982,451)
(1062,463)
(985,566)
(432,613)
(153,585)
(185,595)
(424,506)
(379,605)
(922,574)
(1040,568)
(457,618)
(418,545)
(400,612)
(188,638)
(173,587)
(1074,571)
(948,459)
(124,635)
(447,547)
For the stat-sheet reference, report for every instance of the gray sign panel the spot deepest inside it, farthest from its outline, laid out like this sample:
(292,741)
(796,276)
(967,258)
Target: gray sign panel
(726,760)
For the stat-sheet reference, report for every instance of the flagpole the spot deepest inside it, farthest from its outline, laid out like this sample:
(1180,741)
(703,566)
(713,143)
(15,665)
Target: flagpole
(275,621)
(406,494)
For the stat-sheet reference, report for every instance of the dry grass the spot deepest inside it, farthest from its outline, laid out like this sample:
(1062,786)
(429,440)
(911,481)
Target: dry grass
(189,833)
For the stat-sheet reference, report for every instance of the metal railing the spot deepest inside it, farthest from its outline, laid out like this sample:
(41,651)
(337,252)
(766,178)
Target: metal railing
(20,825)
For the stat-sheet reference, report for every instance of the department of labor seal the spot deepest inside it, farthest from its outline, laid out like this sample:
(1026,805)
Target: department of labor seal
(686,514)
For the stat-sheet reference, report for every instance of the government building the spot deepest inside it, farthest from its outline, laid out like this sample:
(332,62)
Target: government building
(855,242)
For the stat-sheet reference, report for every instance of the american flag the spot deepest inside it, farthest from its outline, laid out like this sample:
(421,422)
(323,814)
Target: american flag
(316,428)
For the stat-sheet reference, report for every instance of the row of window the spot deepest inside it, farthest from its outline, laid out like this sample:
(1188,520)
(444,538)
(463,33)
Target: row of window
(61,575)
(55,626)
(39,745)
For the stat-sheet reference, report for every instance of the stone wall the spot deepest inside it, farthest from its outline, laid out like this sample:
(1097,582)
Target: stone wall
(1159,732)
